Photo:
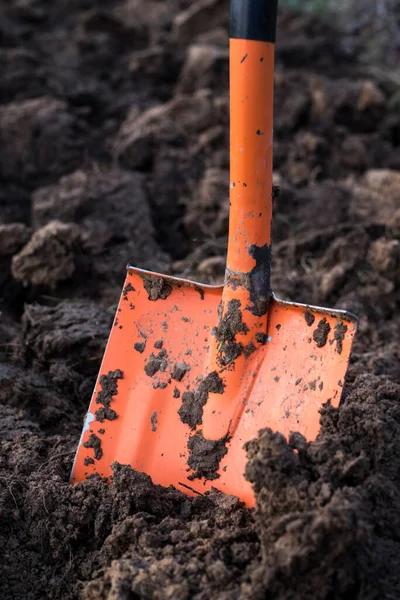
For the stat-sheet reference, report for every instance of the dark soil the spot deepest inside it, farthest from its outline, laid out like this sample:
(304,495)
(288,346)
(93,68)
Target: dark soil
(230,324)
(191,411)
(114,150)
(205,456)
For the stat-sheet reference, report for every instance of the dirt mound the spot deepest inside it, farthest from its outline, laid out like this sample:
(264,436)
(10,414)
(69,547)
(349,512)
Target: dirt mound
(324,510)
(325,524)
(114,130)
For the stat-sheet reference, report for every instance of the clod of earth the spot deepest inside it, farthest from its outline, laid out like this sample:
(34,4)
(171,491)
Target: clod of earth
(339,333)
(140,346)
(105,414)
(94,442)
(205,456)
(156,287)
(109,389)
(229,326)
(309,318)
(261,338)
(179,370)
(191,410)
(249,349)
(156,363)
(128,288)
(320,335)
(159,385)
(60,243)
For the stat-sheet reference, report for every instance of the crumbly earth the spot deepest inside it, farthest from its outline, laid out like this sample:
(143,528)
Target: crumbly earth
(114,150)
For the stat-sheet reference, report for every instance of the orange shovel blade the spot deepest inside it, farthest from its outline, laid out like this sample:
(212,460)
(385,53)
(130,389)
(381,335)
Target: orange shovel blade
(157,351)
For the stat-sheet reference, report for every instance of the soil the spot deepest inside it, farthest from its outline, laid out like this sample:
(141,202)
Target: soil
(156,363)
(320,335)
(109,389)
(205,456)
(229,326)
(191,411)
(114,151)
(156,287)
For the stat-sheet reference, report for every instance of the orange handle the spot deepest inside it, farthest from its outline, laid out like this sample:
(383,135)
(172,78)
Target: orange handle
(251,98)
(243,315)
(253,24)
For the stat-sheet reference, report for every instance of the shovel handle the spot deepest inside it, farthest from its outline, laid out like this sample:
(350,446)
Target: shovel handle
(243,314)
(253,20)
(252,36)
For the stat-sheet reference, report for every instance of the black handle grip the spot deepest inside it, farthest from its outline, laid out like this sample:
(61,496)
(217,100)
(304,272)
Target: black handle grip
(253,20)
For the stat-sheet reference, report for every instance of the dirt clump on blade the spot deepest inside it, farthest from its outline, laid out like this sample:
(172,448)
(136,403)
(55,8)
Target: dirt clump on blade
(114,134)
(191,410)
(205,456)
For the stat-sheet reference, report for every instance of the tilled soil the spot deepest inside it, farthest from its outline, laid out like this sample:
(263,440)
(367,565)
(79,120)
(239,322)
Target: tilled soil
(114,149)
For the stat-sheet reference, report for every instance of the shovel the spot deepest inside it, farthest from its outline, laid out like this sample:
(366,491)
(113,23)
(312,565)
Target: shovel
(192,372)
